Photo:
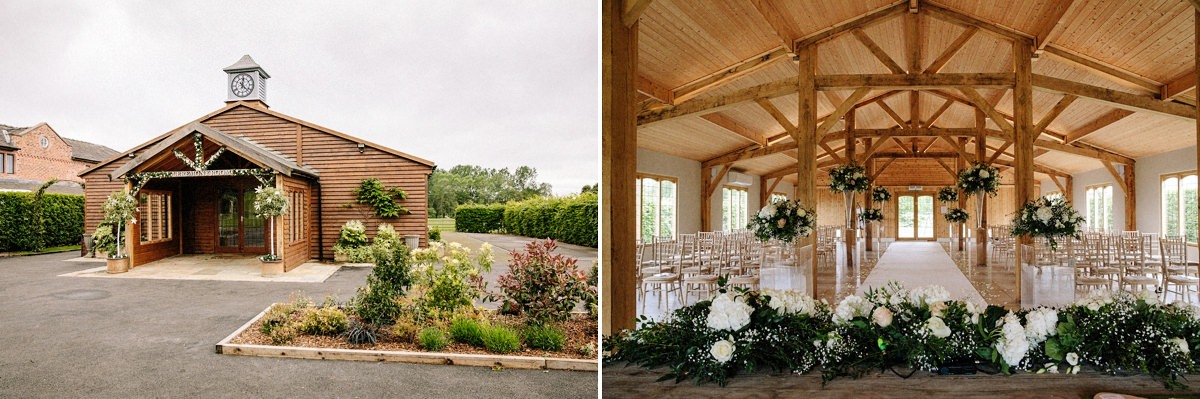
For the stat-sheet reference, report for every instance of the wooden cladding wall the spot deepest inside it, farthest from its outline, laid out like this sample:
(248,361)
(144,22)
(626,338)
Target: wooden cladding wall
(297,252)
(146,253)
(342,168)
(831,209)
(98,187)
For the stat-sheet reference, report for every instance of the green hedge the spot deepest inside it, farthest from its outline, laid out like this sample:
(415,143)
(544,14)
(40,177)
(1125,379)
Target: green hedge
(62,221)
(473,218)
(571,220)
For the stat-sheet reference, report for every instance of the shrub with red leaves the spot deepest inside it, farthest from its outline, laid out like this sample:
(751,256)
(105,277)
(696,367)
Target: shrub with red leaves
(542,285)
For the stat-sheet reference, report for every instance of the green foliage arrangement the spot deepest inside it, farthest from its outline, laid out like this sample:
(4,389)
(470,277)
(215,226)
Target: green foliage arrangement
(786,331)
(979,179)
(450,276)
(435,234)
(572,219)
(947,194)
(467,330)
(103,240)
(872,215)
(542,285)
(474,218)
(783,220)
(353,235)
(1047,217)
(391,277)
(269,202)
(956,215)
(433,339)
(326,320)
(545,337)
(501,339)
(881,194)
(119,209)
(60,221)
(373,193)
(849,177)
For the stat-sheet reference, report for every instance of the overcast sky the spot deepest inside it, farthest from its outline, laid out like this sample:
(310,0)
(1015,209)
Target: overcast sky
(490,83)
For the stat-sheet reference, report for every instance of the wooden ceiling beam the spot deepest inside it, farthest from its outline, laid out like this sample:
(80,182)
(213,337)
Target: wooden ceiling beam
(861,21)
(832,153)
(912,40)
(1054,113)
(1099,123)
(919,81)
(879,170)
(952,50)
(900,145)
(1176,87)
(649,88)
(781,119)
(1070,149)
(1000,151)
(631,10)
(841,110)
(1105,70)
(895,117)
(931,155)
(1114,98)
(982,104)
(949,170)
(774,17)
(938,113)
(877,51)
(725,75)
(874,146)
(964,20)
(735,128)
(1051,27)
(957,148)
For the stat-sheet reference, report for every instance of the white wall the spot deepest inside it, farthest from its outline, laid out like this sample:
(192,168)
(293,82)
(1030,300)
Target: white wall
(1096,177)
(1148,172)
(688,173)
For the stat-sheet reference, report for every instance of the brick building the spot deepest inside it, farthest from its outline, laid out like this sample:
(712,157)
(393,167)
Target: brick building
(29,156)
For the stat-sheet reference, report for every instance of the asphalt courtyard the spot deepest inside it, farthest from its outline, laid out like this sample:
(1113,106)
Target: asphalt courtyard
(96,337)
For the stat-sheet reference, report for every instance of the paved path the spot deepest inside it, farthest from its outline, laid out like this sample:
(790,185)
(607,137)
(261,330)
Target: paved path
(100,338)
(918,263)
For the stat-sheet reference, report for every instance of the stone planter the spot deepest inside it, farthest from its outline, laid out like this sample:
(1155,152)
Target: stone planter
(272,267)
(118,265)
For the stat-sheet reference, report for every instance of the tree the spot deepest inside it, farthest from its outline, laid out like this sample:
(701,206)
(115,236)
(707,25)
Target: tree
(590,188)
(471,184)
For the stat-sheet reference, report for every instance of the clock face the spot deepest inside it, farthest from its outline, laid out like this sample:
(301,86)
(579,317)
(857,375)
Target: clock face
(242,85)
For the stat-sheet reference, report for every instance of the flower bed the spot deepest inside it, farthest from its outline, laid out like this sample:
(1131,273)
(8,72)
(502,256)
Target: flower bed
(920,329)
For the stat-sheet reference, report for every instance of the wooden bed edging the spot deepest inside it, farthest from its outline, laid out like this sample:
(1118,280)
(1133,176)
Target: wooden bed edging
(633,381)
(516,362)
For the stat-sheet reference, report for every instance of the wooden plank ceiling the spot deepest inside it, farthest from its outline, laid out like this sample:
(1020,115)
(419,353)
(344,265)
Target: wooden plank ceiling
(713,62)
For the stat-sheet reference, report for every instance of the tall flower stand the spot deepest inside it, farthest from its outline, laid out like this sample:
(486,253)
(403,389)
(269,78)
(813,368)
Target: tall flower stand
(1047,277)
(981,236)
(850,235)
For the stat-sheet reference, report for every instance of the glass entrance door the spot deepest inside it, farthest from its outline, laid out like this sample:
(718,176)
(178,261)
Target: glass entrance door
(915,217)
(238,228)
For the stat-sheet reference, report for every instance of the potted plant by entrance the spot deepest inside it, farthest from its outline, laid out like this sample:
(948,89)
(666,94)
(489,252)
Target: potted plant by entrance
(118,210)
(270,202)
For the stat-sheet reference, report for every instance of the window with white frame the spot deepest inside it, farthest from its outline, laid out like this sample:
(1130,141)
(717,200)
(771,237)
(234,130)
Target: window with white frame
(1099,208)
(656,197)
(1179,202)
(733,208)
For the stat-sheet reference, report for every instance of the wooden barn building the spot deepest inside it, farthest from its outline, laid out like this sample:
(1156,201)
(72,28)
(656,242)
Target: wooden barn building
(195,184)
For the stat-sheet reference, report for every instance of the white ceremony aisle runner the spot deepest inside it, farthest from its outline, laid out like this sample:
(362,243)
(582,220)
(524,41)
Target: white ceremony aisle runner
(917,264)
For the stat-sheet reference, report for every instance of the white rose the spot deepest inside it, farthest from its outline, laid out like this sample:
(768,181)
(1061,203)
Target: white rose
(882,316)
(938,327)
(1073,359)
(801,212)
(1044,214)
(722,351)
(983,174)
(1181,343)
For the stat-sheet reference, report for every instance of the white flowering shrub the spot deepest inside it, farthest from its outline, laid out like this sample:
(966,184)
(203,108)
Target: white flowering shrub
(920,328)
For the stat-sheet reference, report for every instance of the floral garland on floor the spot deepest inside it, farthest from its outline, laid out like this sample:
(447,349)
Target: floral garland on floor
(872,215)
(783,220)
(979,178)
(956,215)
(891,327)
(849,177)
(947,194)
(881,194)
(1049,218)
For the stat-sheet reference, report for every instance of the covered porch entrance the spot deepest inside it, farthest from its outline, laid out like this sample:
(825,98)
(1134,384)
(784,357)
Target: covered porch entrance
(206,204)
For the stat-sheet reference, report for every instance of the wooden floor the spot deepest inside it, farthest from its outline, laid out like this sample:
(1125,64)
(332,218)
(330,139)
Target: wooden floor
(632,382)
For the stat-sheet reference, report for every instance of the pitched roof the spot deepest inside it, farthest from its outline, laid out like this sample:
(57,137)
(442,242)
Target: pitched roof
(89,152)
(267,111)
(246,64)
(245,148)
(5,138)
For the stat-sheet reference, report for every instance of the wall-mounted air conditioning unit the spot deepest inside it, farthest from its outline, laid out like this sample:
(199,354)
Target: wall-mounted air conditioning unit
(739,179)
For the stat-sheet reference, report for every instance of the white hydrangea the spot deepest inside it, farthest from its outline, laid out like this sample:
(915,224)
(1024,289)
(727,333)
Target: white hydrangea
(767,211)
(850,307)
(728,313)
(1148,296)
(929,294)
(789,301)
(1041,323)
(1095,300)
(1012,344)
(1044,214)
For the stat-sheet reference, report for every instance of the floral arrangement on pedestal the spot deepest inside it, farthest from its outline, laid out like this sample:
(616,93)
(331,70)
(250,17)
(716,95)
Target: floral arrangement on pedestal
(872,215)
(881,194)
(270,202)
(979,178)
(922,329)
(119,209)
(1047,217)
(849,177)
(956,215)
(783,220)
(947,194)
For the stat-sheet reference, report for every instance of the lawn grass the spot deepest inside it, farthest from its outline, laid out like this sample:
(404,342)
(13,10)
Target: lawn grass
(63,248)
(443,224)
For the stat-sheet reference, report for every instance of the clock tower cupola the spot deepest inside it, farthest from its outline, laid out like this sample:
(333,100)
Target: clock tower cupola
(246,81)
